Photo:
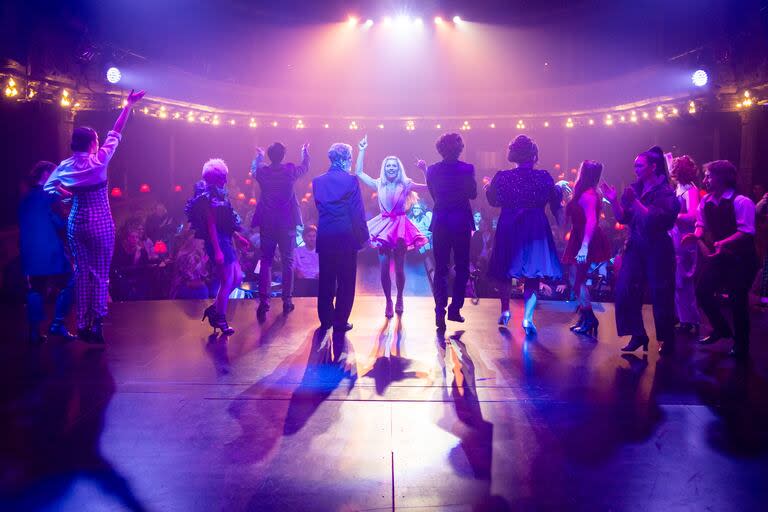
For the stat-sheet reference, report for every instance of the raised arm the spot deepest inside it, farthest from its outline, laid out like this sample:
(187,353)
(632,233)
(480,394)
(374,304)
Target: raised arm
(303,167)
(420,187)
(133,98)
(258,161)
(362,145)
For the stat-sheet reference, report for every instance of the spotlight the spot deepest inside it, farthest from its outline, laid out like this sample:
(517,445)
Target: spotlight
(457,19)
(387,21)
(352,21)
(700,78)
(438,20)
(418,22)
(368,23)
(114,75)
(403,20)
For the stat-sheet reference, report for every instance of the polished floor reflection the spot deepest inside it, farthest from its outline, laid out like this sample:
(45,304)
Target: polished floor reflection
(167,417)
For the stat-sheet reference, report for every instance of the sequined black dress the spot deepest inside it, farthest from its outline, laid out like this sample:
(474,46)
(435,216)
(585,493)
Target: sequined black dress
(524,246)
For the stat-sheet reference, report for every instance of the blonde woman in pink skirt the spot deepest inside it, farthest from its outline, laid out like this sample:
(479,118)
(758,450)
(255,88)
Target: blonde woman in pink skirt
(392,233)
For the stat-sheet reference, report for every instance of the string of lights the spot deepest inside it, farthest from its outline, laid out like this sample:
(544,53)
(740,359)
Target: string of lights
(659,110)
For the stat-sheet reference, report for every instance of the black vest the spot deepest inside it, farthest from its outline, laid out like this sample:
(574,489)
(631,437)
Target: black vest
(720,223)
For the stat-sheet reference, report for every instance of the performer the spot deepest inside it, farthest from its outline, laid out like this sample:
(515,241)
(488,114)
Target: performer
(391,232)
(683,173)
(90,228)
(726,220)
(523,246)
(214,220)
(277,215)
(451,183)
(341,232)
(43,257)
(587,244)
(650,208)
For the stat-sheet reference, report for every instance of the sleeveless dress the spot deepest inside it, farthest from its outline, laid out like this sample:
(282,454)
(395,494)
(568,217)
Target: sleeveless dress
(392,228)
(599,249)
(524,246)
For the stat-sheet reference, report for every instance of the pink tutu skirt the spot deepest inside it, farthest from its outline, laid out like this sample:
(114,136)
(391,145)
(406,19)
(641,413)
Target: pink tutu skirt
(391,231)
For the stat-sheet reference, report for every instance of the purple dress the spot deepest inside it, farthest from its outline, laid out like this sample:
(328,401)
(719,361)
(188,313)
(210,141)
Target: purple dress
(524,246)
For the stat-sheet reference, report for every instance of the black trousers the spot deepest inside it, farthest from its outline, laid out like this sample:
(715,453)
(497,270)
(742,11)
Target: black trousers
(733,275)
(647,266)
(446,241)
(338,272)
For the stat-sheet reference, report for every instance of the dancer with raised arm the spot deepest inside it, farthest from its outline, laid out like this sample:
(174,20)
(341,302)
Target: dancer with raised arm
(392,232)
(90,228)
(277,215)
(587,244)
(341,233)
(451,183)
(523,247)
(650,208)
(214,220)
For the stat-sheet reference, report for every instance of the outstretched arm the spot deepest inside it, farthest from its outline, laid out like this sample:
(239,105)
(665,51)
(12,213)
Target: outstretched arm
(258,161)
(133,98)
(362,145)
(303,167)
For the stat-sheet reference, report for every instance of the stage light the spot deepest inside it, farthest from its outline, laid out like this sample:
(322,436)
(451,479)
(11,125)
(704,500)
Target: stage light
(116,192)
(675,111)
(609,120)
(299,124)
(387,21)
(622,119)
(353,125)
(418,22)
(252,123)
(326,125)
(113,75)
(162,114)
(252,201)
(191,117)
(457,19)
(438,20)
(591,122)
(31,93)
(747,101)
(410,126)
(145,110)
(569,123)
(352,21)
(492,125)
(633,116)
(466,126)
(144,188)
(216,121)
(645,115)
(368,23)
(177,188)
(403,20)
(11,90)
(438,126)
(659,113)
(241,196)
(381,126)
(520,125)
(232,122)
(699,78)
(177,115)
(546,124)
(692,107)
(274,124)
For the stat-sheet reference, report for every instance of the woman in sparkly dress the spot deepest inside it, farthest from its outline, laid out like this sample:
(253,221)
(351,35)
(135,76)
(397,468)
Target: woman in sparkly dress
(392,232)
(523,247)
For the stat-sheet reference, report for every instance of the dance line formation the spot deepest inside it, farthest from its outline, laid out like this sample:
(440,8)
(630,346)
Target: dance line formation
(684,250)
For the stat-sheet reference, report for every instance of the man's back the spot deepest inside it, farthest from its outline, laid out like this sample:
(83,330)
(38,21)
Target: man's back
(341,224)
(452,184)
(277,206)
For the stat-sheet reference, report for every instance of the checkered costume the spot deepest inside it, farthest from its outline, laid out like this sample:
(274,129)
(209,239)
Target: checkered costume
(91,235)
(90,229)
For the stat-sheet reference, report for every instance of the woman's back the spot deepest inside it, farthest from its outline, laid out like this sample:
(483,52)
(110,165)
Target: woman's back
(521,188)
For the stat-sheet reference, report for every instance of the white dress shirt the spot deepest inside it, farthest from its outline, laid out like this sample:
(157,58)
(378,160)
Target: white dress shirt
(742,205)
(306,263)
(84,169)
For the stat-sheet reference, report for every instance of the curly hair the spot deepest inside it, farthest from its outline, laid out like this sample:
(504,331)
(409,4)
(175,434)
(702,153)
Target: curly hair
(724,170)
(450,146)
(339,153)
(214,170)
(684,169)
(523,150)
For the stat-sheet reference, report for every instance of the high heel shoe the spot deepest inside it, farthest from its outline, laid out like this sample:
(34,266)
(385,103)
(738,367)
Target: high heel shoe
(636,342)
(504,318)
(388,312)
(220,322)
(210,314)
(399,307)
(529,328)
(589,324)
(579,322)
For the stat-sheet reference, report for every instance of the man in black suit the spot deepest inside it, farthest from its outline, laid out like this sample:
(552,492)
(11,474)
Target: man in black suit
(452,184)
(341,232)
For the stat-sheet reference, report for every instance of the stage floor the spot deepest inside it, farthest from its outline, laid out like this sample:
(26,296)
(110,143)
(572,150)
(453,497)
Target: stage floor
(166,419)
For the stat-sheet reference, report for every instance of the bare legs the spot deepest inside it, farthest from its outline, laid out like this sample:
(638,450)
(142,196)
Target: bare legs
(386,256)
(230,276)
(529,296)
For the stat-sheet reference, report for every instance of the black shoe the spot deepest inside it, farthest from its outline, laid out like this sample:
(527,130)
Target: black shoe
(455,316)
(84,335)
(210,314)
(261,311)
(440,320)
(60,330)
(579,322)
(589,324)
(220,322)
(714,337)
(97,333)
(635,342)
(288,306)
(348,327)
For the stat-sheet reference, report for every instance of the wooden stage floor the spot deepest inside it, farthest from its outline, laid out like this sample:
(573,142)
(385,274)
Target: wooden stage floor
(165,419)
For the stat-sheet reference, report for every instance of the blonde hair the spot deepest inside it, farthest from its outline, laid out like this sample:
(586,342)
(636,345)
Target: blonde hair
(402,177)
(191,265)
(215,169)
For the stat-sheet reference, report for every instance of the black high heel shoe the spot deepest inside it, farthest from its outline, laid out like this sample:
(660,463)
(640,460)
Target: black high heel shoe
(220,322)
(636,342)
(589,325)
(210,314)
(579,322)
